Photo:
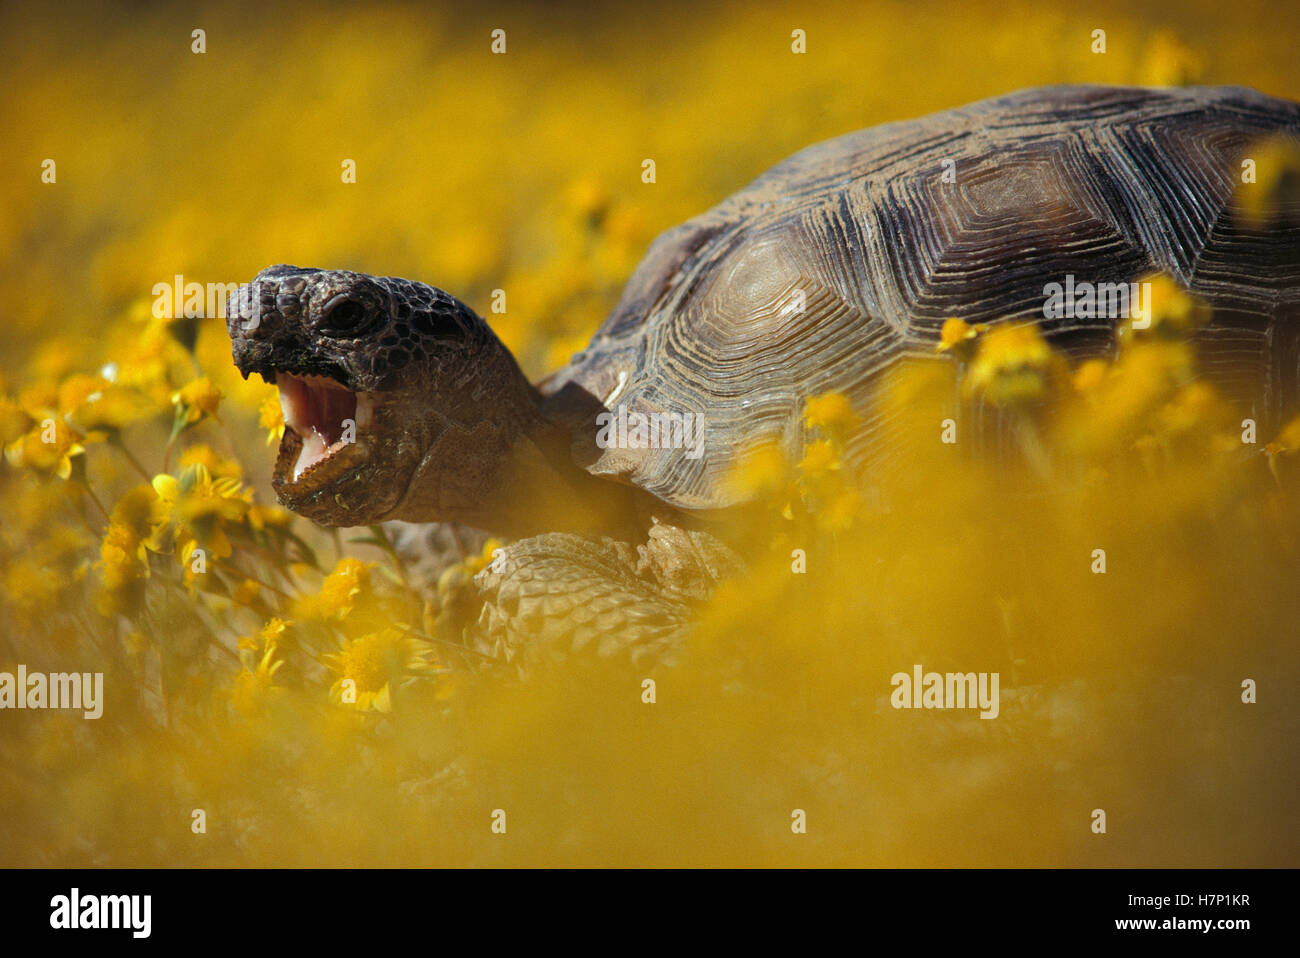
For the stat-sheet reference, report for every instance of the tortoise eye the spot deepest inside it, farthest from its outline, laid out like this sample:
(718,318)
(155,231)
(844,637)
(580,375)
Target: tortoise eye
(342,317)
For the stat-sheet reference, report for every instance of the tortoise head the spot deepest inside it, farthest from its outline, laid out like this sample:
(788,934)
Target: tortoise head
(399,402)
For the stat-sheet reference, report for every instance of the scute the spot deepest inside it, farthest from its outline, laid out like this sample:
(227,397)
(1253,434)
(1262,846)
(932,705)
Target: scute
(851,253)
(981,246)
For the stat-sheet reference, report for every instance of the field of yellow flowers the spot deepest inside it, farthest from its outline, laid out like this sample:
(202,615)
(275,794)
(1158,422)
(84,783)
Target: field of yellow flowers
(130,442)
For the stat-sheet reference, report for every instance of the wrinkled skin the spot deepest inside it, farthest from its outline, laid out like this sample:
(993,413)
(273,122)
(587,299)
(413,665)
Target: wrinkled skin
(438,402)
(446,428)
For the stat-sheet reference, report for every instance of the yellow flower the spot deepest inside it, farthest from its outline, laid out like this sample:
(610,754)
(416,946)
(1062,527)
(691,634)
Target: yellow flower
(1090,375)
(197,508)
(760,473)
(819,459)
(255,684)
(958,337)
(1115,402)
(135,511)
(40,401)
(1196,405)
(259,517)
(1288,439)
(369,667)
(198,398)
(841,510)
(1014,365)
(123,562)
(197,495)
(477,563)
(270,416)
(143,360)
(831,412)
(1287,443)
(1169,311)
(455,601)
(273,631)
(75,390)
(217,465)
(1277,181)
(56,357)
(829,495)
(344,584)
(106,407)
(338,593)
(122,572)
(269,634)
(49,446)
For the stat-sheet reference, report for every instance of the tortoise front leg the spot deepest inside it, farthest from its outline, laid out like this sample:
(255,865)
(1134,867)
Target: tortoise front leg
(549,597)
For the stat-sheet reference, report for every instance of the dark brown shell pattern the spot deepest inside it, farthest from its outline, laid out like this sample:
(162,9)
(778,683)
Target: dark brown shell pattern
(851,253)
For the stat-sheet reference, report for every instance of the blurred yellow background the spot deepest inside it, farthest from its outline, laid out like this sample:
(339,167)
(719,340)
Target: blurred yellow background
(522,172)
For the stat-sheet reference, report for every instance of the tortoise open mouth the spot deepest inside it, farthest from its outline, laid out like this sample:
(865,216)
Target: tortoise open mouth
(324,423)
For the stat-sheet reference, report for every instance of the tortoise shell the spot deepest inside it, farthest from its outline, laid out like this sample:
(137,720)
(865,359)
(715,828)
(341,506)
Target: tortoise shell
(851,253)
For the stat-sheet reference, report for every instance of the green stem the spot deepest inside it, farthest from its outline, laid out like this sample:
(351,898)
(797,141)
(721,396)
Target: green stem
(235,570)
(459,647)
(386,544)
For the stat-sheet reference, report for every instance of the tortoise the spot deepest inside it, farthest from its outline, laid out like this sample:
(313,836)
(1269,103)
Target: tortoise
(814,278)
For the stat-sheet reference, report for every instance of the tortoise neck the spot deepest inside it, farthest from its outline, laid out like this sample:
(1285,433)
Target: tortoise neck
(497,460)
(543,490)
